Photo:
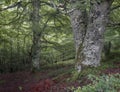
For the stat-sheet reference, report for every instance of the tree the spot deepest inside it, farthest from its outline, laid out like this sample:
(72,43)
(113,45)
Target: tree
(36,29)
(25,16)
(20,9)
(89,36)
(49,30)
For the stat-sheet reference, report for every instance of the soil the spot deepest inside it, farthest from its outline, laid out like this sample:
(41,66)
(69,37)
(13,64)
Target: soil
(26,81)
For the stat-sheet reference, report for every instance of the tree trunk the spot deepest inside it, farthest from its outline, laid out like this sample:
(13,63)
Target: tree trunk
(78,16)
(93,42)
(88,33)
(35,19)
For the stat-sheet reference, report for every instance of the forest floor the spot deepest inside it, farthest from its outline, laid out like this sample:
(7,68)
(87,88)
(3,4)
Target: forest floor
(52,78)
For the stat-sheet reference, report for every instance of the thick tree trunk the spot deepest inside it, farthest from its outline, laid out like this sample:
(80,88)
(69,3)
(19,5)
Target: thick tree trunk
(90,55)
(35,18)
(88,35)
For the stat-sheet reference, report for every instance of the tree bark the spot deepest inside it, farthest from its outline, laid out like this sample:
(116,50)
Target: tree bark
(94,39)
(35,19)
(78,17)
(89,34)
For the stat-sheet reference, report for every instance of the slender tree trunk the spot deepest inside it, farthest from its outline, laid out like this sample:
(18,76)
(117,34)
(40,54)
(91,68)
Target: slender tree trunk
(78,16)
(94,39)
(36,34)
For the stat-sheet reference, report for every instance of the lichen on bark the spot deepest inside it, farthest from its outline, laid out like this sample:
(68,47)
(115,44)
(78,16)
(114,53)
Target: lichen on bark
(89,46)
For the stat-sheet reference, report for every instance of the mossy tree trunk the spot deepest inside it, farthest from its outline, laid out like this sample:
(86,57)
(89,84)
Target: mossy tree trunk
(35,19)
(78,17)
(89,52)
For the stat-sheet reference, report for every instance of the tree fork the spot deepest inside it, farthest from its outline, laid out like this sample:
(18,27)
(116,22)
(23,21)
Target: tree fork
(88,34)
(94,39)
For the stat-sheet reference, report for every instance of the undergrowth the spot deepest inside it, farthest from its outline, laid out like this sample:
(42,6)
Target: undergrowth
(105,64)
(105,83)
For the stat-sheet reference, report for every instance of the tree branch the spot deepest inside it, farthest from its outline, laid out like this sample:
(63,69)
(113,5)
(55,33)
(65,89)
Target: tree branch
(47,3)
(18,16)
(116,7)
(12,6)
(113,24)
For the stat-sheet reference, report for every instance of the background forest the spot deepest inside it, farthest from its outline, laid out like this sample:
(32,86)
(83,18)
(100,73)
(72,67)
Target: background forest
(16,36)
(57,48)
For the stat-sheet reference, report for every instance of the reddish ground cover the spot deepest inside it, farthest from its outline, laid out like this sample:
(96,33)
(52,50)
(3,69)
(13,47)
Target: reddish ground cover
(39,82)
(28,82)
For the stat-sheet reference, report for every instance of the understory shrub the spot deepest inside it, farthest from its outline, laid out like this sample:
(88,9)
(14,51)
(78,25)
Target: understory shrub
(105,83)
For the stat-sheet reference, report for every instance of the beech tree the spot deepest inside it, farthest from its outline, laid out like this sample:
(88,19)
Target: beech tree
(33,17)
(88,25)
(35,14)
(36,29)
(41,19)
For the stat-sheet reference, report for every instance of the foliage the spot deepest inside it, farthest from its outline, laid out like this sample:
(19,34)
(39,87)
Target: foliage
(58,65)
(16,36)
(105,83)
(57,38)
(91,70)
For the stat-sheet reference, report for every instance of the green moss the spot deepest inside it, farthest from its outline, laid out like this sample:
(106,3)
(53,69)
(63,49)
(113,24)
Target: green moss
(79,55)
